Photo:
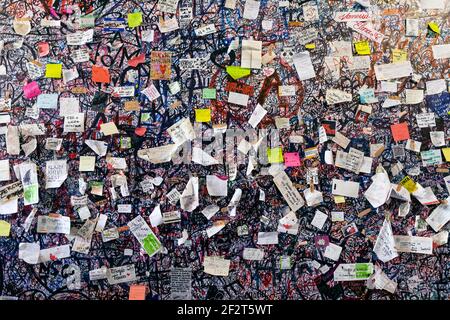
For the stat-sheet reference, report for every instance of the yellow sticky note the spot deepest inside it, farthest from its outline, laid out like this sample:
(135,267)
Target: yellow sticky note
(53,70)
(446,152)
(134,19)
(339,199)
(275,155)
(362,47)
(87,163)
(5,227)
(399,55)
(408,184)
(237,72)
(202,115)
(109,128)
(310,46)
(434,27)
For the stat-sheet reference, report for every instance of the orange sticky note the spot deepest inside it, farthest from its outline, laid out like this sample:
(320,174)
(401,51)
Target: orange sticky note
(100,74)
(137,292)
(400,131)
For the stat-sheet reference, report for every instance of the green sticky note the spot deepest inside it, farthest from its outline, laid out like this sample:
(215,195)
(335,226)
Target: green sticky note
(125,142)
(362,274)
(145,116)
(363,270)
(275,155)
(87,21)
(151,244)
(53,70)
(31,193)
(434,27)
(237,72)
(95,184)
(209,93)
(361,266)
(134,19)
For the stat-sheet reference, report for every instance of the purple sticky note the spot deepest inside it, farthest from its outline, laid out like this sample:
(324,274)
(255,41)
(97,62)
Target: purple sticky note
(321,241)
(31,90)
(291,159)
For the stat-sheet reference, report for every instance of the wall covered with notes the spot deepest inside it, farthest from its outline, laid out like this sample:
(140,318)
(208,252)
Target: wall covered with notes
(224,149)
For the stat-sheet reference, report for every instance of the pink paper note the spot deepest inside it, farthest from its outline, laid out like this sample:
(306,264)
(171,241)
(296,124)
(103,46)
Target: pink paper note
(291,159)
(31,90)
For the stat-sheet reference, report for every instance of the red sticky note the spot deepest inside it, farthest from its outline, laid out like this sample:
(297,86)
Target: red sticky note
(140,131)
(100,74)
(291,159)
(31,90)
(400,131)
(137,292)
(43,49)
(133,62)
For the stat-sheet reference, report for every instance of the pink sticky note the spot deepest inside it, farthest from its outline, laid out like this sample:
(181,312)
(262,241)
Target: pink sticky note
(291,159)
(31,90)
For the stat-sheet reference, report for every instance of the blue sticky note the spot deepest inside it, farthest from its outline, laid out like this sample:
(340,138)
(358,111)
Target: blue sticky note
(47,101)
(367,96)
(439,103)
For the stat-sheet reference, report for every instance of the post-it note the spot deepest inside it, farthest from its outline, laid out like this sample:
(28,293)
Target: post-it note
(209,93)
(137,292)
(237,72)
(275,155)
(100,74)
(132,105)
(53,70)
(43,49)
(31,90)
(339,199)
(291,159)
(399,55)
(362,47)
(109,128)
(408,184)
(87,163)
(202,115)
(446,152)
(134,19)
(47,101)
(400,131)
(5,228)
(434,27)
